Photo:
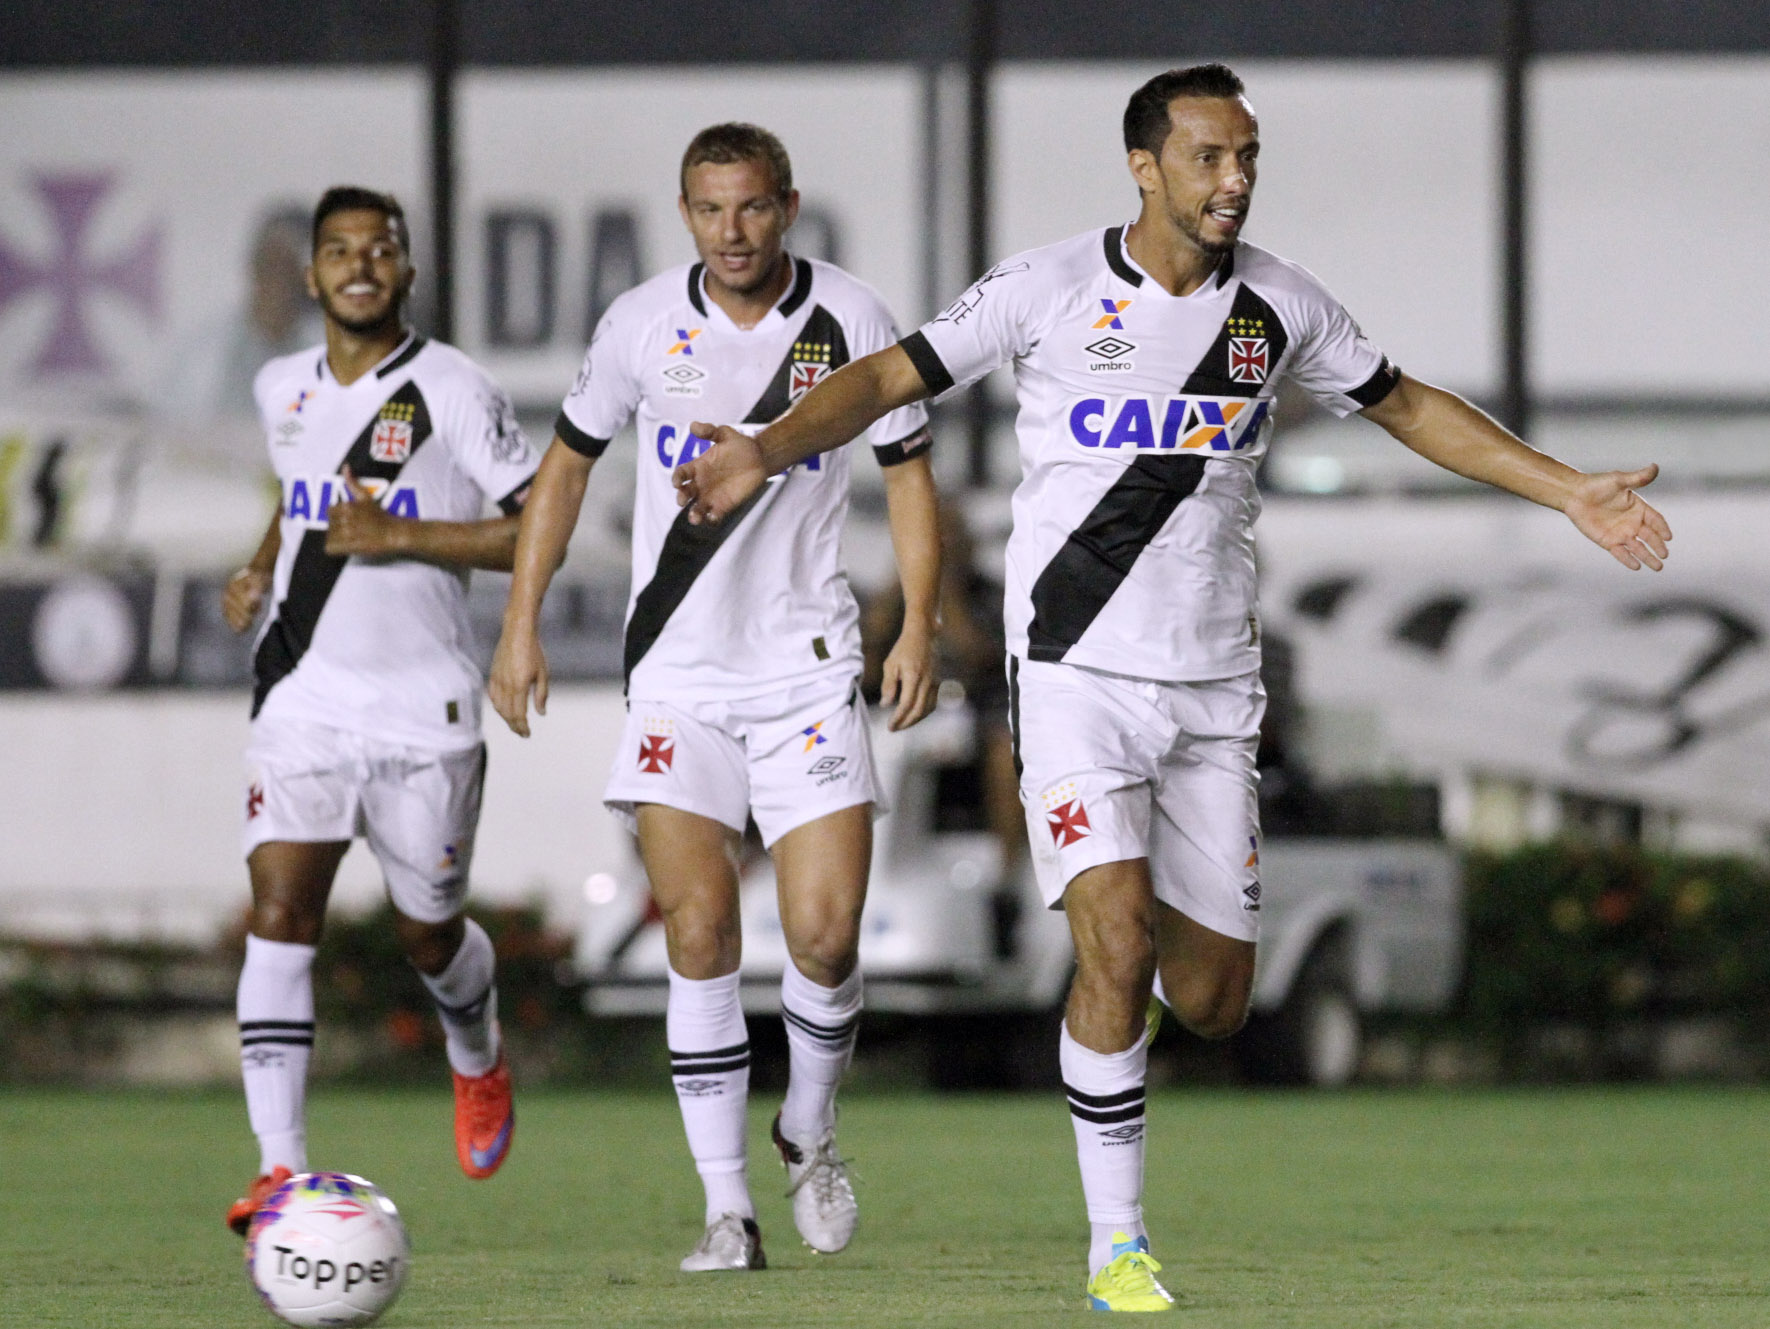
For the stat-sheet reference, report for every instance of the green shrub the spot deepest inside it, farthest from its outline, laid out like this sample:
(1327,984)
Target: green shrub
(1602,936)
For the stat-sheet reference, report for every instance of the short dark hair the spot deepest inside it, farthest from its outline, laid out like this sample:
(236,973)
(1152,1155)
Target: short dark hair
(354,198)
(738,142)
(1147,122)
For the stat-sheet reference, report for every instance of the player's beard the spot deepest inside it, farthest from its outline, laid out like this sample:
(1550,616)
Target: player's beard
(1190,228)
(390,317)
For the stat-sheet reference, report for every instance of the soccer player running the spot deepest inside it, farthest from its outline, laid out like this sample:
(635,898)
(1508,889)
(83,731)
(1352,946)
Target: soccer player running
(365,719)
(1145,360)
(742,660)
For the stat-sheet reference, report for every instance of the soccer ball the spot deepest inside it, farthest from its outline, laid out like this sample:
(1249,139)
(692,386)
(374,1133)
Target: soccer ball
(327,1248)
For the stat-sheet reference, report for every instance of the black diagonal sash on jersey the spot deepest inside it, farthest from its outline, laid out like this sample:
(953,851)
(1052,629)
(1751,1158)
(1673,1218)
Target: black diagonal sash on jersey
(688,549)
(1094,562)
(316,572)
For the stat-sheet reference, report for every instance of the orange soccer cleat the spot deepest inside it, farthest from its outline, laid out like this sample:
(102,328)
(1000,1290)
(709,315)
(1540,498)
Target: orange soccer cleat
(239,1213)
(485,1119)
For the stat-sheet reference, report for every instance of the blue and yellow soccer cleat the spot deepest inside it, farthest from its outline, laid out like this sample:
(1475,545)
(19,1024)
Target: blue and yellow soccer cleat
(1127,1281)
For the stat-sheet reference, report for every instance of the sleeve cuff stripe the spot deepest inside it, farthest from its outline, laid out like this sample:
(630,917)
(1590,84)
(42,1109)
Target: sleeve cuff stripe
(927,362)
(511,503)
(1378,386)
(903,449)
(576,439)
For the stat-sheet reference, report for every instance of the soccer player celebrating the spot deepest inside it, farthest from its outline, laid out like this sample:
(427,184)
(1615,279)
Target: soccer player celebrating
(742,659)
(366,713)
(1145,360)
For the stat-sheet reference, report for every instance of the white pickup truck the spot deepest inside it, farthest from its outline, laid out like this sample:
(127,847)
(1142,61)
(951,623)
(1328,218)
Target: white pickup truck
(1349,927)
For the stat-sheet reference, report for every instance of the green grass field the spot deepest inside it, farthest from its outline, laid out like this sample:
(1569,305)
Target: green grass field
(1604,1208)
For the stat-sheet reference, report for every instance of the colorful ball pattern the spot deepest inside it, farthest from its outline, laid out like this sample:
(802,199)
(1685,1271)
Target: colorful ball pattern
(327,1248)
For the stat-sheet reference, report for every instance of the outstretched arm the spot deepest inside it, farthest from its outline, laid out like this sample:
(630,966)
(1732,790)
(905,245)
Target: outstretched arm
(914,510)
(1603,506)
(836,410)
(362,526)
(519,666)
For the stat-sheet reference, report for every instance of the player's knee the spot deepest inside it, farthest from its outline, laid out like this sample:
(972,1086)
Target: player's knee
(284,920)
(702,941)
(826,959)
(1214,1006)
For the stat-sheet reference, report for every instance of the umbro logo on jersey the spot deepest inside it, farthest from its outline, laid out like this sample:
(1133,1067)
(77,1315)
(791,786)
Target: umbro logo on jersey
(1111,353)
(1221,424)
(684,379)
(1251,898)
(308,499)
(684,341)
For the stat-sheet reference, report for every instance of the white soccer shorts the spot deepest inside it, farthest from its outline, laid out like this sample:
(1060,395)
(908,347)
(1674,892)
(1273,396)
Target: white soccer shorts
(786,757)
(417,808)
(1116,768)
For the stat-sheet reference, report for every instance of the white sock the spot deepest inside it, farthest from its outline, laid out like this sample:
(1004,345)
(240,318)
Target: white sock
(821,1027)
(467,1002)
(1106,1108)
(275,1008)
(710,1067)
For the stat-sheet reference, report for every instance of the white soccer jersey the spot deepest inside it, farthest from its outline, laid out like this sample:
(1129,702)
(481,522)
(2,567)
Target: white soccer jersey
(1142,418)
(760,600)
(381,647)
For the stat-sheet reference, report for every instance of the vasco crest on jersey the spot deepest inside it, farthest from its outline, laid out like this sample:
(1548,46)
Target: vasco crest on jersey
(391,439)
(811,364)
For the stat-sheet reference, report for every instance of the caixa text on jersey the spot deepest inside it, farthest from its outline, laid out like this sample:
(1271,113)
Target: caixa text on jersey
(1218,424)
(308,498)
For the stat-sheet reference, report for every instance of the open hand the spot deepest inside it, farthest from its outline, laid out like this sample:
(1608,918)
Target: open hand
(718,481)
(1607,511)
(359,524)
(243,597)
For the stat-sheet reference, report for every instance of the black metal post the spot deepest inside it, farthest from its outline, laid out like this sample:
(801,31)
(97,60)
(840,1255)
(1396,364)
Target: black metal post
(979,64)
(445,60)
(1515,49)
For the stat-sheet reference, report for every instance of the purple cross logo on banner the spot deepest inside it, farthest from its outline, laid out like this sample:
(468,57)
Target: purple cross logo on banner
(71,275)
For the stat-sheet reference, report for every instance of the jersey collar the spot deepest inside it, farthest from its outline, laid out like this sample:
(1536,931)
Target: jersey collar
(1126,269)
(399,357)
(796,294)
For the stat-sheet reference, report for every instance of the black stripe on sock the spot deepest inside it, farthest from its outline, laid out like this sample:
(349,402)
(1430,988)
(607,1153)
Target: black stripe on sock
(679,1069)
(1103,1100)
(286,1040)
(468,1012)
(732,1051)
(1109,1116)
(276,1024)
(827,1033)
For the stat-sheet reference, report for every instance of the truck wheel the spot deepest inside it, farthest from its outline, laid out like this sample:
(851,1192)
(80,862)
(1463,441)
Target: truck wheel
(1316,1037)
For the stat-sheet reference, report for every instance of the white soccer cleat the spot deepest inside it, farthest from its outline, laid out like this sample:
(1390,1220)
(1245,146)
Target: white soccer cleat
(824,1208)
(731,1241)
